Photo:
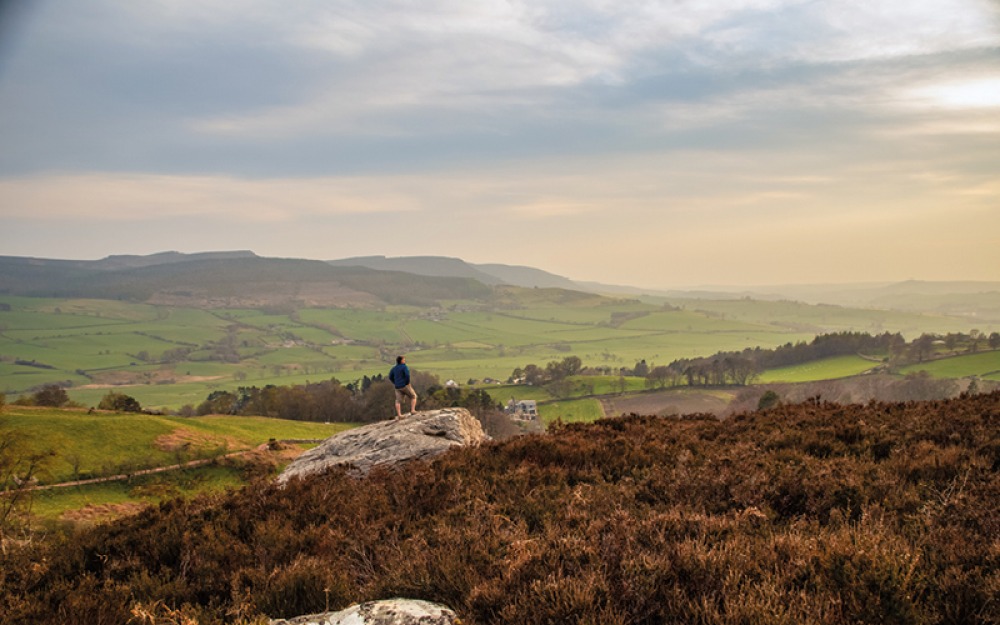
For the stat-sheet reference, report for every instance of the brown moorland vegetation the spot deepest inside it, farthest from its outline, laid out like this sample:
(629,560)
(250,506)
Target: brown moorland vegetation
(807,513)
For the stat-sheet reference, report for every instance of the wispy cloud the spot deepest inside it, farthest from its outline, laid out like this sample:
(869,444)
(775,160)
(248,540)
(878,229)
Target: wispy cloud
(713,124)
(144,198)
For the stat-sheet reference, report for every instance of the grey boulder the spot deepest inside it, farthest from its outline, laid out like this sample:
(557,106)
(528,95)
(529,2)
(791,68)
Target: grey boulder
(419,435)
(388,612)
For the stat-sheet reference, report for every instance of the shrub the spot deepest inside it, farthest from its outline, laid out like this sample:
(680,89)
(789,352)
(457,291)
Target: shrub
(769,399)
(51,395)
(119,402)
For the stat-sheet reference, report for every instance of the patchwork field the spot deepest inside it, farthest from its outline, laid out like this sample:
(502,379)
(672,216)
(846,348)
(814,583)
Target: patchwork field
(167,357)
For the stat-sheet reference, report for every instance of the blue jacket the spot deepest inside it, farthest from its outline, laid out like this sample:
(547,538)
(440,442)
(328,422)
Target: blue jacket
(400,375)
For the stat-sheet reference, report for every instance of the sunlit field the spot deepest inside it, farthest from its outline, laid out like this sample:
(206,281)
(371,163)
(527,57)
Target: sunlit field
(826,369)
(168,357)
(98,444)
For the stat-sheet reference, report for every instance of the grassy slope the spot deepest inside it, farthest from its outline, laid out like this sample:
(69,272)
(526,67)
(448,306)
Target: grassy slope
(104,443)
(825,369)
(983,364)
(109,500)
(571,411)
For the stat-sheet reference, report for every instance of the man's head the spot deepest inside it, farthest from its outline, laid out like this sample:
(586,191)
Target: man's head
(400,360)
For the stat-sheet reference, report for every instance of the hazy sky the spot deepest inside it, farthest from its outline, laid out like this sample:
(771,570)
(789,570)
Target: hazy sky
(661,144)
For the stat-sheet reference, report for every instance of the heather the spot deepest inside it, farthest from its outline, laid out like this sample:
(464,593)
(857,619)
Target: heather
(806,513)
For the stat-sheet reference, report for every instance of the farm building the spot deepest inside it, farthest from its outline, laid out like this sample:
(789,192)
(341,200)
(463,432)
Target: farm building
(525,410)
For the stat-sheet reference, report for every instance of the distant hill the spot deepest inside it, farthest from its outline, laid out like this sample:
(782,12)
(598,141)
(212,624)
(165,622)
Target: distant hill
(529,277)
(490,273)
(979,301)
(163,258)
(437,266)
(228,280)
(241,278)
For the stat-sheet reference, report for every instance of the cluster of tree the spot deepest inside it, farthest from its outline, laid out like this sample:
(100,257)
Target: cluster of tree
(742,367)
(55,396)
(367,400)
(553,372)
(718,370)
(928,345)
(32,363)
(119,402)
(48,395)
(826,346)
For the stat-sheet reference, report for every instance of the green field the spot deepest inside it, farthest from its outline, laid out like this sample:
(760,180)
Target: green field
(99,502)
(93,445)
(825,369)
(571,411)
(984,364)
(167,357)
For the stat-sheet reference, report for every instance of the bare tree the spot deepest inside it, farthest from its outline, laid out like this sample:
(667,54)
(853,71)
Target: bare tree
(19,469)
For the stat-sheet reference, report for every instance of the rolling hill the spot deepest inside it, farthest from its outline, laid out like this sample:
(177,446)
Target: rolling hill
(492,273)
(225,281)
(243,279)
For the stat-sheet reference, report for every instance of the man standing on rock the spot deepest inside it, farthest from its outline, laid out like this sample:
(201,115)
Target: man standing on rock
(400,378)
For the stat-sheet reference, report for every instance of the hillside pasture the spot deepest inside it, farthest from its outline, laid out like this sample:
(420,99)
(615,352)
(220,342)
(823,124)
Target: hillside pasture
(824,369)
(14,377)
(106,501)
(571,411)
(596,315)
(433,332)
(665,347)
(983,364)
(359,325)
(104,443)
(152,396)
(692,321)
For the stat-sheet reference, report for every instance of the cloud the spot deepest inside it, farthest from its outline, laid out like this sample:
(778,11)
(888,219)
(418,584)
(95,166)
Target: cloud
(970,93)
(252,88)
(131,197)
(712,124)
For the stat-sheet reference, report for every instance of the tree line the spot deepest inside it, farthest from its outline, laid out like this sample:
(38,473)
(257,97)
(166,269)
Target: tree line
(741,368)
(364,401)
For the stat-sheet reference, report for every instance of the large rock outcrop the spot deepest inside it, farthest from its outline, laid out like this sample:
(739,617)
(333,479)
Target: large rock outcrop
(388,612)
(419,435)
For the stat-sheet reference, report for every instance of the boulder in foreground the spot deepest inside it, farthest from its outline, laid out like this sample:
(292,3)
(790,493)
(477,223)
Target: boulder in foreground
(388,612)
(419,435)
